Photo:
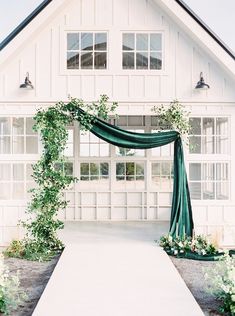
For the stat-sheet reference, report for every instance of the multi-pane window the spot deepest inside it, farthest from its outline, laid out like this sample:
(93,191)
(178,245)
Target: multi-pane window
(129,123)
(161,151)
(142,51)
(86,50)
(130,171)
(209,181)
(15,181)
(17,136)
(162,175)
(92,146)
(209,135)
(94,171)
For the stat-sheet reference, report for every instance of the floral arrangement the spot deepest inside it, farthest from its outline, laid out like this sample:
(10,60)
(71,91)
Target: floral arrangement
(173,117)
(10,293)
(181,245)
(221,283)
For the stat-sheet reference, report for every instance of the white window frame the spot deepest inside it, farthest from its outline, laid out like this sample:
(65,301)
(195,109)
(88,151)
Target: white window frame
(148,70)
(63,55)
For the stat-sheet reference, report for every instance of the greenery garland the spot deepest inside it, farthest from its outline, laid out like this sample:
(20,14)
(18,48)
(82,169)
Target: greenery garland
(173,117)
(41,241)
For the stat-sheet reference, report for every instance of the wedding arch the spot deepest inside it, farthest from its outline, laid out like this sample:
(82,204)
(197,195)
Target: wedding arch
(41,241)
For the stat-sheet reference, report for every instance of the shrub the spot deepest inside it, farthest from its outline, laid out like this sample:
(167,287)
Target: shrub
(221,283)
(10,293)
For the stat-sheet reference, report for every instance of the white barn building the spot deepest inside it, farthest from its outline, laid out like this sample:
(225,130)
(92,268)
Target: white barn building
(140,53)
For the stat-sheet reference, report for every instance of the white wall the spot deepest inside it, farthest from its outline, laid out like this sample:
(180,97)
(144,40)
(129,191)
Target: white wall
(43,56)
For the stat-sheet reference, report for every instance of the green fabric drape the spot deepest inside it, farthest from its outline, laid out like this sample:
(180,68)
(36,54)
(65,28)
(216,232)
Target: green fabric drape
(181,221)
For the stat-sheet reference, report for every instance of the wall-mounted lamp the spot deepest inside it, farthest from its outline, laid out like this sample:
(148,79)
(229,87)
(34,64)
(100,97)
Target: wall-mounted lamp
(27,83)
(201,83)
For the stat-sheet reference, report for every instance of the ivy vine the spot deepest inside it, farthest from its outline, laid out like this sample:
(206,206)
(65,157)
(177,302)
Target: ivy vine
(41,241)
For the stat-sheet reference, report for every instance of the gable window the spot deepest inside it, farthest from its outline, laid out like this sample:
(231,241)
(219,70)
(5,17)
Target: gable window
(142,51)
(86,50)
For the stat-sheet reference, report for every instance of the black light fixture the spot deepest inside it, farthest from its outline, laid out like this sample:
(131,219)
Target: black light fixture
(27,83)
(201,85)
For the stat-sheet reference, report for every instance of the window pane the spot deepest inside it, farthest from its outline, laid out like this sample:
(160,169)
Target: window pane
(139,169)
(165,168)
(31,145)
(142,42)
(5,191)
(156,168)
(29,126)
(120,168)
(122,120)
(84,168)
(221,171)
(130,168)
(18,191)
(87,60)
(222,145)
(18,126)
(68,168)
(208,191)
(5,126)
(5,147)
(208,127)
(155,42)
(72,60)
(94,169)
(222,126)
(155,60)
(18,144)
(208,145)
(84,150)
(94,150)
(136,121)
(18,172)
(104,169)
(195,171)
(195,190)
(72,41)
(128,41)
(5,172)
(208,171)
(195,126)
(142,61)
(222,191)
(128,61)
(104,150)
(100,60)
(100,41)
(87,41)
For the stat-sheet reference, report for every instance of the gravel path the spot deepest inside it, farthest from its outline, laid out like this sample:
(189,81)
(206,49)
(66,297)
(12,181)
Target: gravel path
(35,275)
(33,279)
(192,271)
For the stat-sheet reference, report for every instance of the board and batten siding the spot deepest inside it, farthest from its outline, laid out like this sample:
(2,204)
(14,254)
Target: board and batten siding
(43,55)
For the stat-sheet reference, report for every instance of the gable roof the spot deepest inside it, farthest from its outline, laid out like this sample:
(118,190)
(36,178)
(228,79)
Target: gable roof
(175,8)
(206,27)
(44,4)
(24,23)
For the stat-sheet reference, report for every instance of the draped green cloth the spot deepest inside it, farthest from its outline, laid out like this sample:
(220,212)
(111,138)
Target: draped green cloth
(181,221)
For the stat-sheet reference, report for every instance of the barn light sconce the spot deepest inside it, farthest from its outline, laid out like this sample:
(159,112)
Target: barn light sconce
(27,83)
(201,85)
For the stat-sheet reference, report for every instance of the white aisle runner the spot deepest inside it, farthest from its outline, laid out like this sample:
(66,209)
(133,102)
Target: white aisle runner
(116,279)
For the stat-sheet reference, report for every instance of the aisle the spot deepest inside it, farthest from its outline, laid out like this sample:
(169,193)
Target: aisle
(122,278)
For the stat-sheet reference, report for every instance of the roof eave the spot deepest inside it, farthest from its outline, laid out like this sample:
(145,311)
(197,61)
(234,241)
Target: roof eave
(23,24)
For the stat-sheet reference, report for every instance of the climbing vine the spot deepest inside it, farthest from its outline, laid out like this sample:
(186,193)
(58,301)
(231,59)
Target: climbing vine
(49,173)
